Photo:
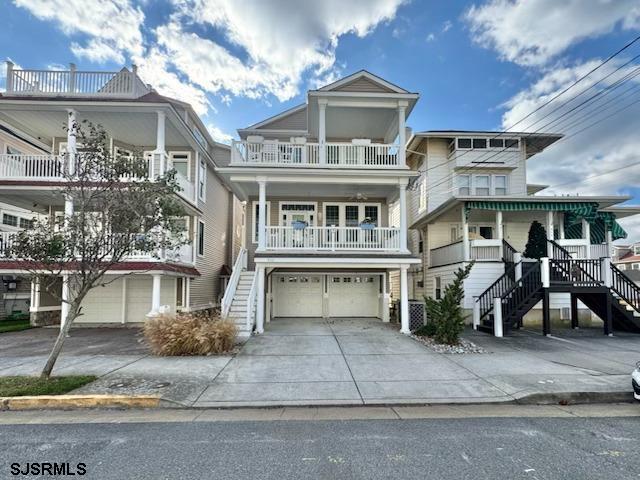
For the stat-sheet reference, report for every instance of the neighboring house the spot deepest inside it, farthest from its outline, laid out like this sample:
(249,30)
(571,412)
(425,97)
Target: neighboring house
(325,184)
(471,202)
(34,111)
(627,257)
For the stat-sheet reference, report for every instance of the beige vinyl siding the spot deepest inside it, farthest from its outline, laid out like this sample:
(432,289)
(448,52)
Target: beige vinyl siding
(363,84)
(205,289)
(293,121)
(439,174)
(7,140)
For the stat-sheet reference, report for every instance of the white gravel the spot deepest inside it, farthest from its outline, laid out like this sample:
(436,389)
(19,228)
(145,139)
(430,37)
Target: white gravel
(465,346)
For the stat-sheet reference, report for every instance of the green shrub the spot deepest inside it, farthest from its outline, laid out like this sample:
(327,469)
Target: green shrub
(428,330)
(536,246)
(189,334)
(446,314)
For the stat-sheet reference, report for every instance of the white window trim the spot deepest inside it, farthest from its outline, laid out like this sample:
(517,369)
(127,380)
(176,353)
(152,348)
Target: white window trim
(422,191)
(488,148)
(435,286)
(475,183)
(201,195)
(296,202)
(469,183)
(341,211)
(506,183)
(204,236)
(188,154)
(254,232)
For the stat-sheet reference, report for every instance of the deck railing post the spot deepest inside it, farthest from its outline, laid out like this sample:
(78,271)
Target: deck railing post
(71,86)
(545,272)
(476,313)
(497,317)
(517,259)
(9,76)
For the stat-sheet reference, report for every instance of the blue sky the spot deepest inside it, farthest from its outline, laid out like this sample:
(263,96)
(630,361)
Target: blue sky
(477,65)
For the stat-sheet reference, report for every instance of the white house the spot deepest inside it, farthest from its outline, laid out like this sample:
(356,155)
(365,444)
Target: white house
(472,202)
(34,111)
(327,216)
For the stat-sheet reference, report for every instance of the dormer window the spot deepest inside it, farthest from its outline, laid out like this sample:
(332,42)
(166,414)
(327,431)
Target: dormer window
(479,143)
(484,143)
(464,143)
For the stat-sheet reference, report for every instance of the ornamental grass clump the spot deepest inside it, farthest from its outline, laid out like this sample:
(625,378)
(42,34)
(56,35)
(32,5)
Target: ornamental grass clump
(189,334)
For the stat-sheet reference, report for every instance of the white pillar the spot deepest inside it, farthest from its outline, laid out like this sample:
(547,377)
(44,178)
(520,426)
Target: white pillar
(586,235)
(322,130)
(517,258)
(499,234)
(160,151)
(465,236)
(561,226)
(9,80)
(262,215)
(609,240)
(64,308)
(155,295)
(545,272)
(497,317)
(404,301)
(72,149)
(549,233)
(476,313)
(605,273)
(68,210)
(187,293)
(403,217)
(260,310)
(402,140)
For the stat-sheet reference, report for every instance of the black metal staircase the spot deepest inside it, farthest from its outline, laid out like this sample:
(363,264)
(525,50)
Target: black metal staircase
(585,279)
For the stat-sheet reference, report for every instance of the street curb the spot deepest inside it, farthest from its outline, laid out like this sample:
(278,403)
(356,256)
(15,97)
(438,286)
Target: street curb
(78,401)
(575,398)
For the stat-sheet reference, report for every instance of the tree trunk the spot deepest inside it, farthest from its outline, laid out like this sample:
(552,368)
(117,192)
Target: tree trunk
(57,347)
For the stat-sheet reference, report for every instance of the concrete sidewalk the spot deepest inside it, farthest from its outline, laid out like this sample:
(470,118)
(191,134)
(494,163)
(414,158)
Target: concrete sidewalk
(342,362)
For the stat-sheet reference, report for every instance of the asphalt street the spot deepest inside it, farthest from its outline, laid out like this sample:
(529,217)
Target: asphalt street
(460,448)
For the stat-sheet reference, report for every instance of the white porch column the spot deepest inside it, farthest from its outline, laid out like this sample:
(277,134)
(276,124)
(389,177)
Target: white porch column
(404,301)
(497,317)
(499,233)
(465,237)
(476,313)
(260,299)
(72,149)
(322,129)
(605,273)
(545,272)
(160,150)
(517,259)
(155,295)
(9,80)
(586,235)
(403,216)
(262,215)
(64,308)
(549,233)
(402,140)
(384,306)
(561,225)
(609,240)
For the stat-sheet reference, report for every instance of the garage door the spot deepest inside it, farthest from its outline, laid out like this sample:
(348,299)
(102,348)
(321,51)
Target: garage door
(297,295)
(353,295)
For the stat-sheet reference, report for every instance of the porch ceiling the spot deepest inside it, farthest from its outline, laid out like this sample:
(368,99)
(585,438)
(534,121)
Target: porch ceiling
(311,191)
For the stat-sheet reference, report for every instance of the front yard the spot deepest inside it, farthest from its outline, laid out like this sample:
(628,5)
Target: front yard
(14,325)
(21,386)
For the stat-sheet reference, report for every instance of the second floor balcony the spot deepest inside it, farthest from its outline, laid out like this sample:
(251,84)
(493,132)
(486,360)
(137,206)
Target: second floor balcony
(332,239)
(271,153)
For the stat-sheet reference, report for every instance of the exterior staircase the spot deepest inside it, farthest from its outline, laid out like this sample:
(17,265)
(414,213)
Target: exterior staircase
(598,284)
(238,310)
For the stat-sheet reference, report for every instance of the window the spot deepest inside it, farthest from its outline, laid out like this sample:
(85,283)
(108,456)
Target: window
(180,162)
(486,232)
(202,180)
(200,237)
(371,212)
(636,266)
(464,143)
(512,143)
(438,288)
(479,143)
(256,219)
(496,143)
(500,185)
(482,185)
(636,249)
(464,185)
(420,246)
(26,223)
(11,220)
(454,234)
(332,215)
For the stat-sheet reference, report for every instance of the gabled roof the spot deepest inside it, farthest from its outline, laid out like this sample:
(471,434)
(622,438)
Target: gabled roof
(280,119)
(362,81)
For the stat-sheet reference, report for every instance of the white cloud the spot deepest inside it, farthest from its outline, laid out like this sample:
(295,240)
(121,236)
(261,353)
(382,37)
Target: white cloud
(446,26)
(532,32)
(218,135)
(114,26)
(431,37)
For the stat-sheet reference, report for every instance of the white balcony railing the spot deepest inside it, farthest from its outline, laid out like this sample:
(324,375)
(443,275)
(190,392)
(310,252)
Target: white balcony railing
(333,238)
(273,153)
(74,83)
(446,255)
(180,254)
(485,250)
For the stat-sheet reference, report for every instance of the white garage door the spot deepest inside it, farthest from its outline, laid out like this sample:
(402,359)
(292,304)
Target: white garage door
(353,295)
(297,295)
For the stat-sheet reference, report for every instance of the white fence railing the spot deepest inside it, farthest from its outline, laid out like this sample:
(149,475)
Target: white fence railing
(229,293)
(446,255)
(74,82)
(599,251)
(333,238)
(23,167)
(485,250)
(276,153)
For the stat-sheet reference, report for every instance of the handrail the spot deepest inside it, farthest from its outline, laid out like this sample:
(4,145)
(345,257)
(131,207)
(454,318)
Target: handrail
(230,291)
(522,291)
(558,251)
(445,246)
(251,301)
(625,288)
(582,272)
(508,252)
(497,289)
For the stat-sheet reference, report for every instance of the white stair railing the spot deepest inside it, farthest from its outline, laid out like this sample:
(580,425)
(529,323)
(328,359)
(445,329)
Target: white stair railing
(251,302)
(230,292)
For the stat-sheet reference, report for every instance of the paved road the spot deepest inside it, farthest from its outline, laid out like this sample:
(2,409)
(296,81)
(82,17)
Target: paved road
(460,448)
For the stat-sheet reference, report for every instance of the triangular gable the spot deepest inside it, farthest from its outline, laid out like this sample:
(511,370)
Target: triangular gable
(363,81)
(292,119)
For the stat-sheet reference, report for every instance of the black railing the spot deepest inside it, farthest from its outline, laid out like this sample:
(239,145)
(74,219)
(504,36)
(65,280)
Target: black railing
(523,291)
(628,291)
(584,273)
(508,252)
(497,289)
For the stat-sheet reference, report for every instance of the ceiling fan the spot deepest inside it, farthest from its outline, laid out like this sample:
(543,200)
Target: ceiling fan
(358,196)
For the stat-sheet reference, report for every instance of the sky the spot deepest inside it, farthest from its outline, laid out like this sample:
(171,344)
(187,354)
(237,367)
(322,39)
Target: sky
(480,65)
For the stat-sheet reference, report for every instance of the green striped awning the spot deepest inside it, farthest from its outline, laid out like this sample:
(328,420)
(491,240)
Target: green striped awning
(574,213)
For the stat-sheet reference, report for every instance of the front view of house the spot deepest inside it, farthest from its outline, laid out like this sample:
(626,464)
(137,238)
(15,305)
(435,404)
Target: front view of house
(326,187)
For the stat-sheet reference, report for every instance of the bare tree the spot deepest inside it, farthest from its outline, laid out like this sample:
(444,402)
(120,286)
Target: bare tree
(114,207)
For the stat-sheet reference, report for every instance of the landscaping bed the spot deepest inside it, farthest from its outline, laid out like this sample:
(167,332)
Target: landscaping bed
(14,325)
(31,386)
(463,346)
